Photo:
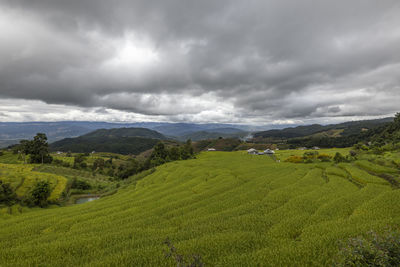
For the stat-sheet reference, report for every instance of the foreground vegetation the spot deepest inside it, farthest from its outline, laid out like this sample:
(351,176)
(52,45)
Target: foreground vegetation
(61,178)
(228,208)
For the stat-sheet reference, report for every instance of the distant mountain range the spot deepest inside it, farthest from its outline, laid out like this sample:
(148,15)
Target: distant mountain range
(117,140)
(12,132)
(317,130)
(203,135)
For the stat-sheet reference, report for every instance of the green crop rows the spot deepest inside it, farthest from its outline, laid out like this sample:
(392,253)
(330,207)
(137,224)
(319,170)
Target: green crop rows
(231,208)
(22,179)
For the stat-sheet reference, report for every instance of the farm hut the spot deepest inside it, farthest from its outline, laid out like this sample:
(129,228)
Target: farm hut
(252,151)
(211,149)
(269,152)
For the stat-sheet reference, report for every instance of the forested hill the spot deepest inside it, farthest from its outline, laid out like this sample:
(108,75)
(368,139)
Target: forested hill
(121,140)
(126,132)
(388,136)
(334,130)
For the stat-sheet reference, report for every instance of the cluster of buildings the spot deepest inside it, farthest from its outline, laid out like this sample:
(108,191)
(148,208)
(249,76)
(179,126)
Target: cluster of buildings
(253,151)
(305,148)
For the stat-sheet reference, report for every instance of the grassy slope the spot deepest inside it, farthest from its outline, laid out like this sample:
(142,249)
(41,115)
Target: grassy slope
(22,179)
(233,209)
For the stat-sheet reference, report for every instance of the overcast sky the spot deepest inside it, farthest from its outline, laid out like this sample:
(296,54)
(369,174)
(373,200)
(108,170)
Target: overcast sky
(236,61)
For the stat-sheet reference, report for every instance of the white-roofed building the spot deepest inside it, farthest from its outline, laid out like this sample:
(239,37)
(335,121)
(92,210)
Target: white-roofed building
(252,151)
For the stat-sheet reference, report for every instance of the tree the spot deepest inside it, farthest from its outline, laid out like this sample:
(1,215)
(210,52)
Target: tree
(159,155)
(124,171)
(37,149)
(40,193)
(187,150)
(25,148)
(397,119)
(7,195)
(79,161)
(99,163)
(189,147)
(174,153)
(396,122)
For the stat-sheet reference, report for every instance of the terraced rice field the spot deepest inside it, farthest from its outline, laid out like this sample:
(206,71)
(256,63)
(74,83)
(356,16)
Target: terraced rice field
(22,179)
(231,208)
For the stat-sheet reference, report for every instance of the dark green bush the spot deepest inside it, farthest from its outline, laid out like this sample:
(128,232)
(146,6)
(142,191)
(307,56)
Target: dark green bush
(7,194)
(39,194)
(339,158)
(373,249)
(80,184)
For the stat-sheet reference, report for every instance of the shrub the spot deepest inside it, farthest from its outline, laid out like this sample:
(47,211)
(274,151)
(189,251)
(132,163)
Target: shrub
(79,161)
(40,193)
(310,155)
(352,153)
(324,157)
(80,184)
(295,159)
(7,194)
(372,250)
(339,158)
(66,164)
(180,259)
(58,162)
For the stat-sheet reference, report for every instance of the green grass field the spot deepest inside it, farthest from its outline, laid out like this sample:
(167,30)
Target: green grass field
(231,208)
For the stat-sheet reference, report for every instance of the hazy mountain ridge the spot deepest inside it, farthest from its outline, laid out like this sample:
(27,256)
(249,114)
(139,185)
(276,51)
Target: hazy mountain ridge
(12,132)
(347,129)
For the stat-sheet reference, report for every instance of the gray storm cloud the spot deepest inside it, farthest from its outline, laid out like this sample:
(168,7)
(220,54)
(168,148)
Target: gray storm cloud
(230,61)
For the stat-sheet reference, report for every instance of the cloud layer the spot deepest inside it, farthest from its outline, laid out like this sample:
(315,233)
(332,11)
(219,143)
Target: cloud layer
(203,61)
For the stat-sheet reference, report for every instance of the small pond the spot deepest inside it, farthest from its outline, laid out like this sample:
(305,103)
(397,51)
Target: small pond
(85,199)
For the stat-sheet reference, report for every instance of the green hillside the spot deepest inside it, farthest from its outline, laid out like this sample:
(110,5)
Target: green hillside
(126,132)
(230,208)
(121,145)
(118,140)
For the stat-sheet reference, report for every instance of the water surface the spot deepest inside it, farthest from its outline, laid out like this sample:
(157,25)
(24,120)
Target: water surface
(85,199)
